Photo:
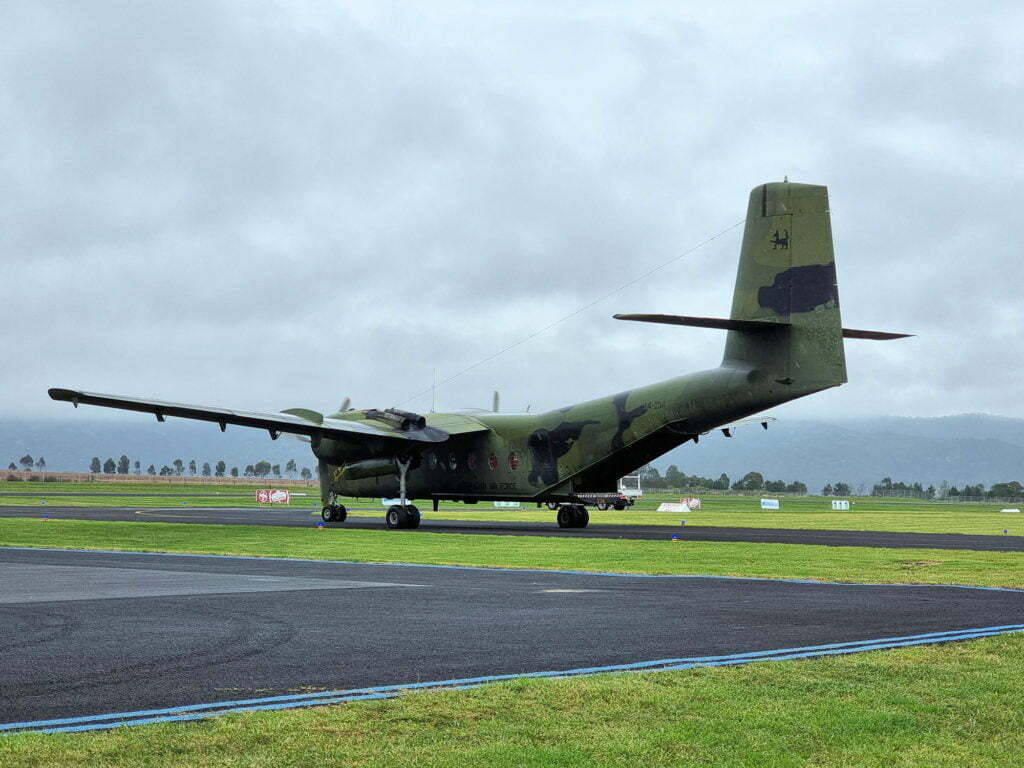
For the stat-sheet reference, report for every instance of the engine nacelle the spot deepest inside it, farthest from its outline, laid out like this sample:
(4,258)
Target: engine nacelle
(405,420)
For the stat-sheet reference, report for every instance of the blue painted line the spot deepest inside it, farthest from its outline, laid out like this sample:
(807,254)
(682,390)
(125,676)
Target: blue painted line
(487,569)
(200,711)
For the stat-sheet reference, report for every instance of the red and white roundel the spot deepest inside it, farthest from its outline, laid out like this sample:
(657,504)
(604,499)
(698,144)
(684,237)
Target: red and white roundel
(513,461)
(492,461)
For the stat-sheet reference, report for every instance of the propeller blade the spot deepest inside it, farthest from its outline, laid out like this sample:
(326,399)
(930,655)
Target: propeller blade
(345,404)
(494,402)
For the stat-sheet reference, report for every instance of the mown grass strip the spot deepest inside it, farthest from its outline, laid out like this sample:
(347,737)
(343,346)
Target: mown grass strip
(851,564)
(811,512)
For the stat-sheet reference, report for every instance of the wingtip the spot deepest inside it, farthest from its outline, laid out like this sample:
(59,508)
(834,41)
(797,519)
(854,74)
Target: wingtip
(57,393)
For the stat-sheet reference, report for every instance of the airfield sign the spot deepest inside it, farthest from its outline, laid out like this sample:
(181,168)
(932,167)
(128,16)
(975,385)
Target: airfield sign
(273,496)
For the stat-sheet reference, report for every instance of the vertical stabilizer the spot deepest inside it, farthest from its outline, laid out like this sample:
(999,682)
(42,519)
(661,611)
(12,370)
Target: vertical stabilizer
(787,275)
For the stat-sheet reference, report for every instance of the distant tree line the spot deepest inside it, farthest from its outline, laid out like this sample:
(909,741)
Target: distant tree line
(887,487)
(27,463)
(651,478)
(178,468)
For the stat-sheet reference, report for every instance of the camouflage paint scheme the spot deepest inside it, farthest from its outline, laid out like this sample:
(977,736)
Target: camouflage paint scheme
(786,276)
(784,340)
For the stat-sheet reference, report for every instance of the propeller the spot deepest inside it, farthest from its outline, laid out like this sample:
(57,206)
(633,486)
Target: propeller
(494,402)
(345,404)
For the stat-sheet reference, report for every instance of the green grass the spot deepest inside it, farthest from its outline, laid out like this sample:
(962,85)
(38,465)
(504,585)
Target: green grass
(854,564)
(933,707)
(738,512)
(867,513)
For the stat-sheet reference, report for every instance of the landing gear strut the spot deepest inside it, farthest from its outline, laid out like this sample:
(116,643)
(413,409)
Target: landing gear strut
(402,515)
(573,516)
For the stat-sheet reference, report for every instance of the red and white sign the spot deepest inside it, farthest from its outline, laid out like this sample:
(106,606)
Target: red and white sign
(273,496)
(692,503)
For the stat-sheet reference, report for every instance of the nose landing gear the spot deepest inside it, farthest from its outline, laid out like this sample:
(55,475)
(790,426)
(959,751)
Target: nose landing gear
(333,512)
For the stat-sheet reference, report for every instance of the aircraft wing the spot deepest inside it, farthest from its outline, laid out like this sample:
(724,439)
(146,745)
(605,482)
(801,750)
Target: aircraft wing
(311,423)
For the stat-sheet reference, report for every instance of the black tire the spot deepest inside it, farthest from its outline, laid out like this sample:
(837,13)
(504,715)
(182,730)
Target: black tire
(565,516)
(340,513)
(580,516)
(414,516)
(602,505)
(327,513)
(396,517)
(619,506)
(553,505)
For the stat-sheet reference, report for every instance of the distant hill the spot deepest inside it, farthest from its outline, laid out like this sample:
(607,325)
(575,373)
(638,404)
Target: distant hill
(69,444)
(967,448)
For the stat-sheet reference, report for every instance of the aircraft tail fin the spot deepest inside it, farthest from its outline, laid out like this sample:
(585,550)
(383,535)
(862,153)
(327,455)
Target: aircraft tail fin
(786,284)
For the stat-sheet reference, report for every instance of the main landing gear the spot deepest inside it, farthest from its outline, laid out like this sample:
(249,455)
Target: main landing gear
(573,516)
(334,513)
(402,515)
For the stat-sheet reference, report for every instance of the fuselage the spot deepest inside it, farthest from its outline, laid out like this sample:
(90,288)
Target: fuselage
(552,456)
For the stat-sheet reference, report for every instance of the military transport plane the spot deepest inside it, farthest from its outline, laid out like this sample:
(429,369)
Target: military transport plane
(784,340)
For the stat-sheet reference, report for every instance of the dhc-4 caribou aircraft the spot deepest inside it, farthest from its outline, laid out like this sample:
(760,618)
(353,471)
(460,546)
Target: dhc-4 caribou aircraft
(784,340)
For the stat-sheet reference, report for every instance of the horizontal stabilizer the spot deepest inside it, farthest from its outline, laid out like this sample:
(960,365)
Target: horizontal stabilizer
(750,326)
(853,333)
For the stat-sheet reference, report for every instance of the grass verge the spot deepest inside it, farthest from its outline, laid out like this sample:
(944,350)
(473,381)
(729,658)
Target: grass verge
(932,707)
(854,564)
(812,512)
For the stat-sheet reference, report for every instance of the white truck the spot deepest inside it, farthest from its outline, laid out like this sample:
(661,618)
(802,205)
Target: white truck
(625,495)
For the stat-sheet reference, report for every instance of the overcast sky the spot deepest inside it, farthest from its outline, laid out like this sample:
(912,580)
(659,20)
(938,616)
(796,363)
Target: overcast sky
(267,205)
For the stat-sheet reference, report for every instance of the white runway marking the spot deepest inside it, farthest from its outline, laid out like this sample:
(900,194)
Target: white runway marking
(24,583)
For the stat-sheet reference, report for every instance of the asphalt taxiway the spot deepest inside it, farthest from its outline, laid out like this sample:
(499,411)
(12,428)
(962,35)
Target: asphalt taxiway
(95,639)
(301,517)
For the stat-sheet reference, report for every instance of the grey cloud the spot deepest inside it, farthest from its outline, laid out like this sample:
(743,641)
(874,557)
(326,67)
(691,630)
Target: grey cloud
(287,204)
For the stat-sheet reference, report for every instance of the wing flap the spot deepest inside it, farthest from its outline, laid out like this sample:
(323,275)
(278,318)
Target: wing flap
(456,423)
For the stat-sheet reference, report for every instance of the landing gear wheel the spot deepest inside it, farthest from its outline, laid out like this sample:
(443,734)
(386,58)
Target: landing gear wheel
(580,516)
(414,516)
(397,517)
(602,505)
(565,516)
(334,513)
(620,506)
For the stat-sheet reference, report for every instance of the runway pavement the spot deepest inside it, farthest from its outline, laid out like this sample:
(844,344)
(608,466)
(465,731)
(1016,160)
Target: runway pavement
(301,517)
(95,639)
